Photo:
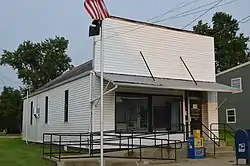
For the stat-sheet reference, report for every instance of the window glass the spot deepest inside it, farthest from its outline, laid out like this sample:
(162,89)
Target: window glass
(236,83)
(46,109)
(131,113)
(66,106)
(166,113)
(231,115)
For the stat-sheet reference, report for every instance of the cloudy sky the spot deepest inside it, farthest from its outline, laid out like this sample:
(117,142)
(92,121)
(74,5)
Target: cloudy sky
(36,20)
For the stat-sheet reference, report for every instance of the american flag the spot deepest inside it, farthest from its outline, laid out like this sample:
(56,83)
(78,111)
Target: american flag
(96,9)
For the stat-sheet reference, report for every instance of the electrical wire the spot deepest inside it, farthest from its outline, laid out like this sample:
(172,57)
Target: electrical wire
(141,26)
(190,10)
(202,14)
(179,16)
(240,21)
(178,7)
(161,15)
(199,11)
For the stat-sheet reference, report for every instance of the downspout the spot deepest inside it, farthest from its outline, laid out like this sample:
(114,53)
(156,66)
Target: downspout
(90,106)
(92,78)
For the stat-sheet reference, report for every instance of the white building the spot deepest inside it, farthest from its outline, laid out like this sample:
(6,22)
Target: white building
(133,101)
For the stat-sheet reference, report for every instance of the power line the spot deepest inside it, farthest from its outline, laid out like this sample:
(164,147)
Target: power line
(178,7)
(246,20)
(190,10)
(240,21)
(161,15)
(194,9)
(141,26)
(202,14)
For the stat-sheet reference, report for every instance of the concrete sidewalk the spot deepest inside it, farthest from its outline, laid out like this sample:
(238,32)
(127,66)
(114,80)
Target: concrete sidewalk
(227,161)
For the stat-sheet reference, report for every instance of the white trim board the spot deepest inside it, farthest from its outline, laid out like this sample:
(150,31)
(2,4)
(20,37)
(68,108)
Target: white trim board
(233,68)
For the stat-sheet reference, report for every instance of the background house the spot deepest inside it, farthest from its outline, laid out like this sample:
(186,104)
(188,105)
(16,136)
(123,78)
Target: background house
(234,109)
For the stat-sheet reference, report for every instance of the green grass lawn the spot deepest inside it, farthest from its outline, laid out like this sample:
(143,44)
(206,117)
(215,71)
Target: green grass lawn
(14,152)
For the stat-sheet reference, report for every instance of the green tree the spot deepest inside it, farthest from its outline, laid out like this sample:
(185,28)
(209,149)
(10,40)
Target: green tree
(38,63)
(230,46)
(11,110)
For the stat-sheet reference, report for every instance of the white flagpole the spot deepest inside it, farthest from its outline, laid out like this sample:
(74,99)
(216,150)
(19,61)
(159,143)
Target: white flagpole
(101,69)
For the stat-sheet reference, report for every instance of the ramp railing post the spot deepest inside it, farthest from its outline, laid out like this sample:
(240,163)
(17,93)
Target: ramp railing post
(140,149)
(60,143)
(175,152)
(132,142)
(43,144)
(80,143)
(50,146)
(128,145)
(161,150)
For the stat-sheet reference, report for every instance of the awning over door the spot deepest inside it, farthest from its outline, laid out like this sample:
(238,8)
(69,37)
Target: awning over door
(165,83)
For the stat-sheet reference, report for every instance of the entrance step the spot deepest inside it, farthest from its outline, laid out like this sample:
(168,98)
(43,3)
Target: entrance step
(211,143)
(222,151)
(220,154)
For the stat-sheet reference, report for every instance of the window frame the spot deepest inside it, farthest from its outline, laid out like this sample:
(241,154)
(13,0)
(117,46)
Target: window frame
(66,106)
(150,123)
(46,116)
(237,78)
(227,116)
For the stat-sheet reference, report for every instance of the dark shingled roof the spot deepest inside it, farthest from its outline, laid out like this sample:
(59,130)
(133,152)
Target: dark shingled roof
(69,74)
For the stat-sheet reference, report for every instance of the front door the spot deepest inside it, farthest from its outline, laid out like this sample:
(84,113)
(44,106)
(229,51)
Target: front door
(196,115)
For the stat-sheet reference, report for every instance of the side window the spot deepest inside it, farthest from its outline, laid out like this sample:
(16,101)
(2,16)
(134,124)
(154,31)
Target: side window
(236,83)
(66,106)
(231,115)
(31,113)
(46,109)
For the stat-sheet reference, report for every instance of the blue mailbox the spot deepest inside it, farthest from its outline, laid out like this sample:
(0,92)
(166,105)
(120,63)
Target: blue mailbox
(242,142)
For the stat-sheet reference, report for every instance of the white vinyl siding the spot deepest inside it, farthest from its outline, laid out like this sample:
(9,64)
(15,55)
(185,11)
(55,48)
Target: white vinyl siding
(109,107)
(231,115)
(161,48)
(78,107)
(236,83)
(212,106)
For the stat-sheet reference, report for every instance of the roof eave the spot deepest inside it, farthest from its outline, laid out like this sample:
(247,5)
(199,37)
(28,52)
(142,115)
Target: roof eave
(59,84)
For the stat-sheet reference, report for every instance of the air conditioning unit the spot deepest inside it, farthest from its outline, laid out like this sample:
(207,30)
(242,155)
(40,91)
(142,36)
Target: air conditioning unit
(37,113)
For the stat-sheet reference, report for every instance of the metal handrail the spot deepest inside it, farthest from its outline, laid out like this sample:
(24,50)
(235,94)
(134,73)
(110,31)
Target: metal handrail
(213,139)
(214,136)
(88,140)
(227,129)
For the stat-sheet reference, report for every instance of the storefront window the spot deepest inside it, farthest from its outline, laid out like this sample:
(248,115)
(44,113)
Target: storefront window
(131,112)
(166,113)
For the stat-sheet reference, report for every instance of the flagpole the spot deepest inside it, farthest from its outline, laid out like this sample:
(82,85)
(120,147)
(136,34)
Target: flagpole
(101,69)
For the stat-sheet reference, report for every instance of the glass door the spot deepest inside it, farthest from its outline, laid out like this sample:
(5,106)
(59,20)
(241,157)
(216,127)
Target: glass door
(195,114)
